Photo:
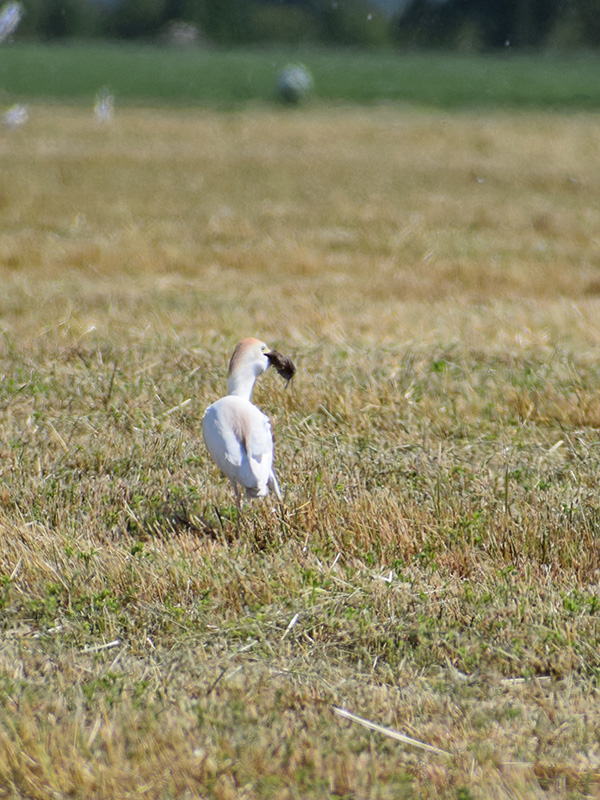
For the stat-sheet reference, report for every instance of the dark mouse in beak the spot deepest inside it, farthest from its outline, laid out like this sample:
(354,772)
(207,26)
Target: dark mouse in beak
(283,364)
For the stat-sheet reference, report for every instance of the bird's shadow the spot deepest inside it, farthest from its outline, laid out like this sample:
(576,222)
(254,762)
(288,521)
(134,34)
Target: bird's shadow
(259,526)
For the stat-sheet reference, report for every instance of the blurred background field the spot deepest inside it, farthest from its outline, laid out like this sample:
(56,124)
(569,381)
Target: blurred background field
(147,75)
(150,75)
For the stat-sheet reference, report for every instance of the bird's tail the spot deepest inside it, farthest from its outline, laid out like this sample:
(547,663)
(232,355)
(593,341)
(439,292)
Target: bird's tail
(257,491)
(262,491)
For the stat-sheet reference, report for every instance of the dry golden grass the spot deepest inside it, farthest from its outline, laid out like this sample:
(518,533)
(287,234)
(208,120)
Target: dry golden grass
(435,567)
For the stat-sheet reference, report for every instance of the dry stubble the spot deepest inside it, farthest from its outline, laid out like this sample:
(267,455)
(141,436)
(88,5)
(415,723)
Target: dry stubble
(435,567)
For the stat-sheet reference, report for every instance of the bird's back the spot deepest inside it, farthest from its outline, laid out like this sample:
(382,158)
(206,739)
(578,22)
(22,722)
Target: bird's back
(238,437)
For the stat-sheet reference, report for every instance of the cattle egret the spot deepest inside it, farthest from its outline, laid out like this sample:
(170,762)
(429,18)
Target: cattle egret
(236,433)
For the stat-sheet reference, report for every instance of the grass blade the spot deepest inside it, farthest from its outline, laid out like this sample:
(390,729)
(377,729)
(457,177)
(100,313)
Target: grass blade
(401,737)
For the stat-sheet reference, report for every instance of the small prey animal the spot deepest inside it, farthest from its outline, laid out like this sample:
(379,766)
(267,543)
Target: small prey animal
(236,433)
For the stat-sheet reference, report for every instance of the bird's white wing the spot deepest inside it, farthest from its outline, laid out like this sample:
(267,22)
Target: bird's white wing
(259,449)
(238,437)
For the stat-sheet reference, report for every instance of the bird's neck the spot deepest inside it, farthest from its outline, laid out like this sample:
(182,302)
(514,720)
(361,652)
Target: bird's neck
(241,384)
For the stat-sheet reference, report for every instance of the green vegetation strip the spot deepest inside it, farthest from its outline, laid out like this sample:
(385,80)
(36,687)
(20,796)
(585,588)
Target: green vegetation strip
(158,75)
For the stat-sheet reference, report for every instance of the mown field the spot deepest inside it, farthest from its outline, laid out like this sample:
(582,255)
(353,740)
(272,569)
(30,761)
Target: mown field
(434,567)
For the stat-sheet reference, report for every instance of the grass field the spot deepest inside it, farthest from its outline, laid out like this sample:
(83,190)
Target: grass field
(150,75)
(435,565)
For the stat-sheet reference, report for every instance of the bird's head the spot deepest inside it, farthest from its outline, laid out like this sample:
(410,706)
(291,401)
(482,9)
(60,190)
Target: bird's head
(250,359)
(251,356)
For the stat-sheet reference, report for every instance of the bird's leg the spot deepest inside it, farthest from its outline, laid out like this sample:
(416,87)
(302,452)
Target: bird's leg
(274,486)
(238,501)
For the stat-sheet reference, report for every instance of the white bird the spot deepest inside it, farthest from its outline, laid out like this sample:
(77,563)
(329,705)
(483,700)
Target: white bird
(10,16)
(15,116)
(236,433)
(104,108)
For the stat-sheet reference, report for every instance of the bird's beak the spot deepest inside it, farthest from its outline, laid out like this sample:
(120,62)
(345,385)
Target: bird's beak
(283,364)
